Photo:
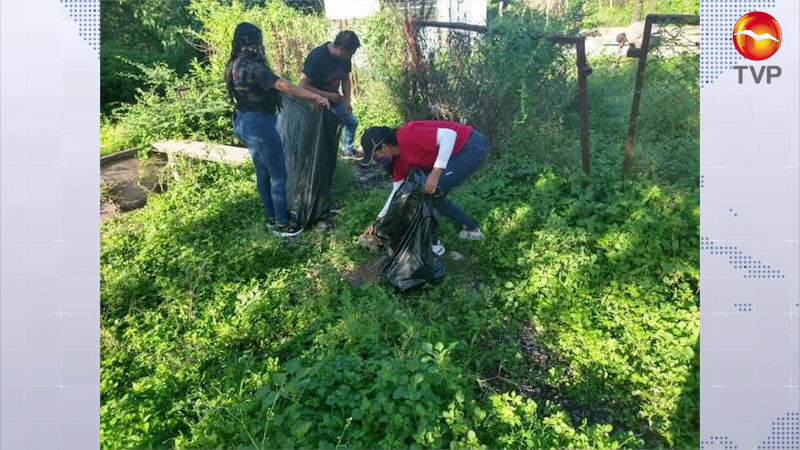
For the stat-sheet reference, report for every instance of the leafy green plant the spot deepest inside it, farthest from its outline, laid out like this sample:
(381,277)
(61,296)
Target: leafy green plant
(573,325)
(113,137)
(218,335)
(146,32)
(170,106)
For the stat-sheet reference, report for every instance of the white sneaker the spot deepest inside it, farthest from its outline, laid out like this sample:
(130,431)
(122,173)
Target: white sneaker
(438,248)
(474,235)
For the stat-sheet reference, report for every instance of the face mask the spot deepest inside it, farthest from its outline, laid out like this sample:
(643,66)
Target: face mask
(383,160)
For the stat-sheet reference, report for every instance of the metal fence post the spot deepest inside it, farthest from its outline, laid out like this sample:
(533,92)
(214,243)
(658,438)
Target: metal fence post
(647,47)
(637,95)
(583,72)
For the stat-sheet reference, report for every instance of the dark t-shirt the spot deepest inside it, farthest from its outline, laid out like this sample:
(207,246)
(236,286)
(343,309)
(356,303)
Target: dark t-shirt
(325,70)
(253,86)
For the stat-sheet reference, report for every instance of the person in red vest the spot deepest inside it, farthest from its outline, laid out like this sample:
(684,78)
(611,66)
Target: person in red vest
(448,151)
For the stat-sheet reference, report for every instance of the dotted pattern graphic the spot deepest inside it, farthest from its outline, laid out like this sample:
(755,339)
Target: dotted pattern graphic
(717,18)
(755,269)
(87,14)
(785,433)
(717,442)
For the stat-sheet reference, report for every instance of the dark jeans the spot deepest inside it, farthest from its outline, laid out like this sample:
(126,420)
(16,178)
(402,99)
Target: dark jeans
(258,132)
(458,169)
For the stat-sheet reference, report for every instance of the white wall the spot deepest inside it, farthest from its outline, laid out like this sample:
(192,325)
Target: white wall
(463,11)
(350,9)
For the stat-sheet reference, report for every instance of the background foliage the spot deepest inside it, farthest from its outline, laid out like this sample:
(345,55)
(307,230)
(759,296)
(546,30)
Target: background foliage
(574,325)
(144,32)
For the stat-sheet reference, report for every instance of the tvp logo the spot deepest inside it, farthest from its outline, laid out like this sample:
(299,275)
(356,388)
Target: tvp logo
(757,36)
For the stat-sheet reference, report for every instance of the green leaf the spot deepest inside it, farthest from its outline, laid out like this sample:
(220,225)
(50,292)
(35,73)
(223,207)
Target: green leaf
(292,366)
(400,392)
(301,428)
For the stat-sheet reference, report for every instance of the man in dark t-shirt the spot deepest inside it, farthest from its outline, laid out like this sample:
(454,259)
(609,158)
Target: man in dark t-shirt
(326,69)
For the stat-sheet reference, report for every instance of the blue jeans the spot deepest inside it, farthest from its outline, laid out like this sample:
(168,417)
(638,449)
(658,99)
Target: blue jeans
(258,132)
(350,125)
(472,155)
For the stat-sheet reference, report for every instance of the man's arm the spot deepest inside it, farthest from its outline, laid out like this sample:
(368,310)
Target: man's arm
(305,82)
(395,186)
(446,141)
(371,228)
(347,91)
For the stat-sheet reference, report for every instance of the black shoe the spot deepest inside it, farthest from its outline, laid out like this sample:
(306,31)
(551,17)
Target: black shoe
(288,229)
(271,223)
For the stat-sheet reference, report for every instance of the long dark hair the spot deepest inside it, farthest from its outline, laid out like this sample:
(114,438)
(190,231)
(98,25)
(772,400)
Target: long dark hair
(248,42)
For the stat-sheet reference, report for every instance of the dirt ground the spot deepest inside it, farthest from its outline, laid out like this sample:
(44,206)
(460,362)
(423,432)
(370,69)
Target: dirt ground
(372,177)
(125,184)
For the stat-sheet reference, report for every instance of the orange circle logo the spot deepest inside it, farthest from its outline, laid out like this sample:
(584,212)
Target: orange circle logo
(757,36)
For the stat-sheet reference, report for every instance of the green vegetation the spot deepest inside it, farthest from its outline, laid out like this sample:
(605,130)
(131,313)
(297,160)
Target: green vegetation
(601,13)
(113,138)
(141,32)
(573,325)
(620,13)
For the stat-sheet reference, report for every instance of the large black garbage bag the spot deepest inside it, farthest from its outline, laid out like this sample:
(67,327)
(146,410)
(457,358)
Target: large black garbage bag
(310,137)
(407,232)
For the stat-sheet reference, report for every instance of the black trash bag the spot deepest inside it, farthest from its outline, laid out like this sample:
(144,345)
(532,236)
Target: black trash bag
(310,136)
(407,232)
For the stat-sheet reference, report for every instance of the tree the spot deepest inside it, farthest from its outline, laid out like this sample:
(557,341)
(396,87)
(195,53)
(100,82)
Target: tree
(143,31)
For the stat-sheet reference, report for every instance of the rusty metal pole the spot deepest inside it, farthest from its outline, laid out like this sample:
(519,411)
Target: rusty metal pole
(637,95)
(583,72)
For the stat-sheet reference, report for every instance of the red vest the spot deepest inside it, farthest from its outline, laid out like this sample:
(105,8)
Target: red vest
(418,148)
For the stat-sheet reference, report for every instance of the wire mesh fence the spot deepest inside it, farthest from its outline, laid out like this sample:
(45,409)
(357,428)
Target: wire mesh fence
(666,94)
(456,79)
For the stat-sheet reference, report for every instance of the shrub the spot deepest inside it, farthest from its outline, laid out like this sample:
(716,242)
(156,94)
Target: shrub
(170,106)
(288,34)
(143,31)
(113,137)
